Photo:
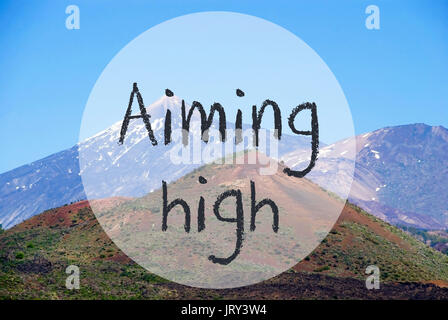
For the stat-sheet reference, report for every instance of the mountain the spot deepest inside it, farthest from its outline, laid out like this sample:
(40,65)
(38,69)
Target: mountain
(43,184)
(34,255)
(400,173)
(56,180)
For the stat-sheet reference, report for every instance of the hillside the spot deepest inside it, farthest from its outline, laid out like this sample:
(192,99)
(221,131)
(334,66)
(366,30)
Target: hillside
(35,253)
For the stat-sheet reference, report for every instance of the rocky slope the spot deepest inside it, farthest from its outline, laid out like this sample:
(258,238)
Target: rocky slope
(400,173)
(56,180)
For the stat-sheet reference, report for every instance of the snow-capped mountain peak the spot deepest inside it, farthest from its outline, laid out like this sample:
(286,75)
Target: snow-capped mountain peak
(102,167)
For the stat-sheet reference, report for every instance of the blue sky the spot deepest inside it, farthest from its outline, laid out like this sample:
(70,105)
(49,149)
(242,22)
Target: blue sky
(395,75)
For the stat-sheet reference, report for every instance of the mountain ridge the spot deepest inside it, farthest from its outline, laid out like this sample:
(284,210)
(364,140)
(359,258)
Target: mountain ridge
(399,173)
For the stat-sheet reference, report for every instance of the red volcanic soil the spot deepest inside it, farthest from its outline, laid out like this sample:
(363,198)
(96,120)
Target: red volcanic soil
(350,214)
(63,216)
(59,216)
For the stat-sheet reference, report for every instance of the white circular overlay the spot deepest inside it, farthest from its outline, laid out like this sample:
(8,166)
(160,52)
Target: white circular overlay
(214,213)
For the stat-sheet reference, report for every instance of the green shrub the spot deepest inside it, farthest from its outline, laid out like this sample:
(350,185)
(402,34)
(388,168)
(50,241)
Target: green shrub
(323,268)
(20,255)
